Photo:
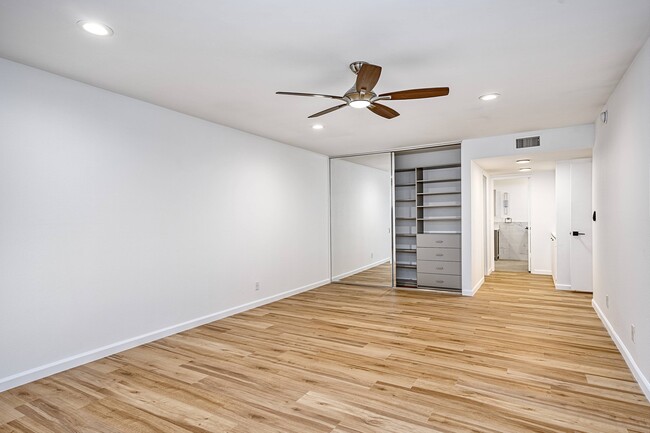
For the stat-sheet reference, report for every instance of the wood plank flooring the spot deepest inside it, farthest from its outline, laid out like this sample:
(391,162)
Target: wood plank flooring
(511,265)
(517,357)
(379,275)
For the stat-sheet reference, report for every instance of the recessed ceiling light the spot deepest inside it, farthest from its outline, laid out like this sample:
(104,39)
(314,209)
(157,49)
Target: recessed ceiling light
(525,169)
(95,28)
(489,97)
(523,161)
(317,126)
(359,104)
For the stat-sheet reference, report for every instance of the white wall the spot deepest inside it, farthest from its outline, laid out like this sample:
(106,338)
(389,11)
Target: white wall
(542,220)
(621,193)
(477,195)
(517,189)
(552,140)
(361,217)
(121,222)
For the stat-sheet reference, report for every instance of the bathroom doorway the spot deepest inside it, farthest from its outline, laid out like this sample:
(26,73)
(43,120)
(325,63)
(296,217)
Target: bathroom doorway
(511,224)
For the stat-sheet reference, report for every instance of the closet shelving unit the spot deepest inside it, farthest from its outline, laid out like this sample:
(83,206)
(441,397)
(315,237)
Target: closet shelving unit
(428,219)
(438,199)
(405,227)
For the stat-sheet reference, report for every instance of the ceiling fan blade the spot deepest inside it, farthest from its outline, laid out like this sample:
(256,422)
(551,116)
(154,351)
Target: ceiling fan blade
(417,93)
(329,110)
(367,77)
(314,95)
(383,110)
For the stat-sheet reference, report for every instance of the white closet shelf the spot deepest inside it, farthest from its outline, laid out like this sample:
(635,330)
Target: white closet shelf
(439,193)
(440,218)
(441,204)
(454,179)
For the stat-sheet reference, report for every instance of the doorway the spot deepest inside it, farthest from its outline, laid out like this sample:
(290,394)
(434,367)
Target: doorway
(511,224)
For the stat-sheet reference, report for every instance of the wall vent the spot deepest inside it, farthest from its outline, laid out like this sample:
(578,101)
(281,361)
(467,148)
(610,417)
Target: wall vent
(527,142)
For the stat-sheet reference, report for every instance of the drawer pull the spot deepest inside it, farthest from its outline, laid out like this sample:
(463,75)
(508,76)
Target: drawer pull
(439,242)
(440,269)
(440,281)
(439,255)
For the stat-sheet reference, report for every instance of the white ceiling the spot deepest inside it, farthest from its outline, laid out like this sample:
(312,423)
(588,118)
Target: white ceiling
(554,61)
(507,165)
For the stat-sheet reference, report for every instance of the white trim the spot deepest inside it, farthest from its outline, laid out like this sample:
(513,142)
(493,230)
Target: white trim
(634,368)
(361,269)
(541,272)
(475,288)
(111,349)
(562,286)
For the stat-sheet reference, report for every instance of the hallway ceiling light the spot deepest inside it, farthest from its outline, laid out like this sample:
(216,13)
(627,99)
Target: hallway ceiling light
(95,28)
(489,97)
(525,169)
(523,161)
(317,126)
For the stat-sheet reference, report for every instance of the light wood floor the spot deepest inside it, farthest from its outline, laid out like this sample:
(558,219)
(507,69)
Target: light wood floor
(378,276)
(511,265)
(518,357)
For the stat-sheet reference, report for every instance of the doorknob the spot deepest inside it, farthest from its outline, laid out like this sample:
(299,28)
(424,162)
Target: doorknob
(576,234)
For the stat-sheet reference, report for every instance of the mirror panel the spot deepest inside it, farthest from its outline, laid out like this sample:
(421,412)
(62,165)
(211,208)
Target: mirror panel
(361,218)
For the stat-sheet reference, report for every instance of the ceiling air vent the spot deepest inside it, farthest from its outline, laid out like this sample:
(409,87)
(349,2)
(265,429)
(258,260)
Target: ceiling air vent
(527,142)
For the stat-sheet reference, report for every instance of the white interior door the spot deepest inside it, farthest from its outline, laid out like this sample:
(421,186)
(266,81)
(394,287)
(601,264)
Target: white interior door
(580,243)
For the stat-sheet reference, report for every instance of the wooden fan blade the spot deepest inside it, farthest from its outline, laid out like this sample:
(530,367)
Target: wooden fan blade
(418,93)
(314,95)
(329,110)
(383,111)
(367,77)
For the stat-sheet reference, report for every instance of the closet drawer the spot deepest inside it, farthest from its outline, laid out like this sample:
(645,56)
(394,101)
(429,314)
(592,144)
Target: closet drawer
(444,254)
(438,280)
(434,267)
(438,240)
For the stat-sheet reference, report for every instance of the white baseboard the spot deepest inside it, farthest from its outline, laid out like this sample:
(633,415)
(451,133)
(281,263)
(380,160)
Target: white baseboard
(111,349)
(541,272)
(634,368)
(475,288)
(562,286)
(361,269)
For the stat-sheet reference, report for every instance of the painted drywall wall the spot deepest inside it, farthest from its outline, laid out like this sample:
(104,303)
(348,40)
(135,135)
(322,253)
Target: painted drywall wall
(478,227)
(621,198)
(573,137)
(542,220)
(517,189)
(121,222)
(361,217)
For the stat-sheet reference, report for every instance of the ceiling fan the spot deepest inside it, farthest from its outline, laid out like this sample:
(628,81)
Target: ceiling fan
(361,95)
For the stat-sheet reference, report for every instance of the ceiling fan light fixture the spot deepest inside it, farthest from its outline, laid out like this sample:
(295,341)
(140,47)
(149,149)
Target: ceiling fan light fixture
(489,97)
(359,104)
(95,28)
